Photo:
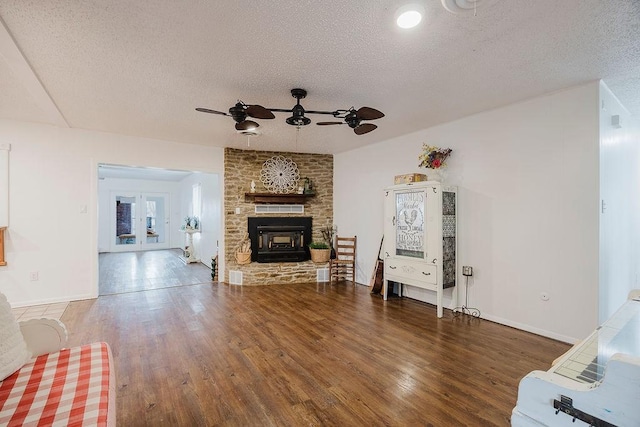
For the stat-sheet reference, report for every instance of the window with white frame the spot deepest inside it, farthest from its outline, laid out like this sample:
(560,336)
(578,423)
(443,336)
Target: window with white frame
(196,201)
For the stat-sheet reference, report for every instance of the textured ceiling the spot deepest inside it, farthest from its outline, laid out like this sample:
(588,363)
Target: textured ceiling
(140,68)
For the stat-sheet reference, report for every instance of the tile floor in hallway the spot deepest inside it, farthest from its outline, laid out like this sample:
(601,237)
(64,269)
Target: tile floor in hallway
(52,311)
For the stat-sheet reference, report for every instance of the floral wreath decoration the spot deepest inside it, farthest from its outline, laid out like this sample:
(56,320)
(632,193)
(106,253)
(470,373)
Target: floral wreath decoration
(280,175)
(433,157)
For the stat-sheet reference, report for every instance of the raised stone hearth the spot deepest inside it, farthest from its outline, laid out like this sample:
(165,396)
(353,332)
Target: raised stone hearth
(243,166)
(256,273)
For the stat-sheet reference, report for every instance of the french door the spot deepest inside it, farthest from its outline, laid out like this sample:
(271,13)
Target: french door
(139,221)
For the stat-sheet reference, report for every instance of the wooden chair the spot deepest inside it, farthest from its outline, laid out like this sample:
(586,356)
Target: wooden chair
(344,265)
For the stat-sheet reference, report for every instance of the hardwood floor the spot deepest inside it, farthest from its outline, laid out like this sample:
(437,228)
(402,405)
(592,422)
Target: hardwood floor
(121,272)
(312,354)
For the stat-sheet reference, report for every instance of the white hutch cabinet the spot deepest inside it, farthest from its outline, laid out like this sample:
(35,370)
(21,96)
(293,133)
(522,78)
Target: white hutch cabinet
(420,237)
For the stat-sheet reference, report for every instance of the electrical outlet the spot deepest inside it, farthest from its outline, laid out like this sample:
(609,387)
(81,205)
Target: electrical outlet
(33,276)
(467,271)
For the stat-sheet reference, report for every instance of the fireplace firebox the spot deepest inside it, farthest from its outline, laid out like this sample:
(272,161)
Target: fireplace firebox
(279,239)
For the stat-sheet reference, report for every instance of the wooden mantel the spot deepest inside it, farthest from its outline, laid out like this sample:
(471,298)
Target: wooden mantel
(2,261)
(291,198)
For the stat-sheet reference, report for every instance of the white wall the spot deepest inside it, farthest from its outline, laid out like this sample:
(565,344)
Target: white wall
(620,193)
(527,176)
(107,185)
(209,236)
(4,184)
(53,175)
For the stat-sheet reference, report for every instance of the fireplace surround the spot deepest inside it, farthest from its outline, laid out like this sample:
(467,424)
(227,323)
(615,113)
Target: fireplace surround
(240,168)
(279,239)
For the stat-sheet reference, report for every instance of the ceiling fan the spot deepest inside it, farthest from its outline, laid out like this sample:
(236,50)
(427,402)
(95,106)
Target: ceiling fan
(240,112)
(354,118)
(351,117)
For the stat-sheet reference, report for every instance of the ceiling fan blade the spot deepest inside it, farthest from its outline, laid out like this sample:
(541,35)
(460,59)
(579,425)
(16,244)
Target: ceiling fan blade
(330,123)
(206,110)
(246,125)
(259,112)
(364,128)
(368,113)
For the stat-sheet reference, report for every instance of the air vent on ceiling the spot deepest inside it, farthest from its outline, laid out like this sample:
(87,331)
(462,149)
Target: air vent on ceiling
(295,209)
(466,6)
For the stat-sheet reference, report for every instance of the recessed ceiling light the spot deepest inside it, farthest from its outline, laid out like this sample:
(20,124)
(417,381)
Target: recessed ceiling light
(409,16)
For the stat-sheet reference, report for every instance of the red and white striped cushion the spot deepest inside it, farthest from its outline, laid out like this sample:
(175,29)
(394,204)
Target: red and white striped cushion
(73,387)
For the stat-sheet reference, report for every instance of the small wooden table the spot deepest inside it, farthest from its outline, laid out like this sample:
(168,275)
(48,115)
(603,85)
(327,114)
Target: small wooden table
(123,237)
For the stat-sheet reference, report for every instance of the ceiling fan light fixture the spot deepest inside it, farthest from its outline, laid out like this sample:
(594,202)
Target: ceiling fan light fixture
(298,118)
(247,125)
(249,132)
(409,16)
(298,121)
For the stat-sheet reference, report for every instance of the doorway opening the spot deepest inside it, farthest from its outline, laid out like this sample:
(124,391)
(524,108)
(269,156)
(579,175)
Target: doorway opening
(141,213)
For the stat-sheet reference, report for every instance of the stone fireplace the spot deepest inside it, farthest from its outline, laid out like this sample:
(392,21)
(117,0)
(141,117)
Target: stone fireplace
(244,166)
(279,239)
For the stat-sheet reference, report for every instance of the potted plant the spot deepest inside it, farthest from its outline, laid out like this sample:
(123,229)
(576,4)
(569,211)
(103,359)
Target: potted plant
(191,223)
(320,252)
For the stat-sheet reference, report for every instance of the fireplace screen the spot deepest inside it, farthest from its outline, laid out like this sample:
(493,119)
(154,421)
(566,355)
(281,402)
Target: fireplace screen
(282,239)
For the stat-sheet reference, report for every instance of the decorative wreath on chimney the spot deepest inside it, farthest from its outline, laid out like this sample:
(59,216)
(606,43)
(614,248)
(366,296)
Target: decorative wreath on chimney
(280,175)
